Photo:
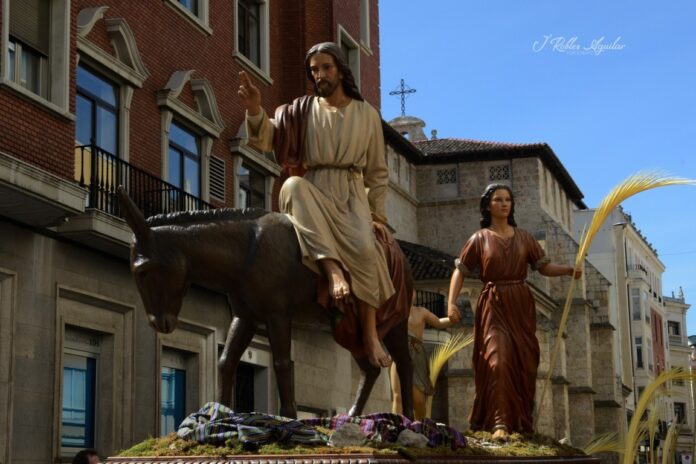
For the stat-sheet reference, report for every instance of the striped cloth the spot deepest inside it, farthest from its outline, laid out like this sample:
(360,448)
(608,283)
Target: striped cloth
(215,423)
(386,427)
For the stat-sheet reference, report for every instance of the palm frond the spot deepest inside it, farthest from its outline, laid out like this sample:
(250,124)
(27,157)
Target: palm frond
(440,356)
(445,351)
(605,443)
(670,448)
(639,182)
(652,425)
(651,390)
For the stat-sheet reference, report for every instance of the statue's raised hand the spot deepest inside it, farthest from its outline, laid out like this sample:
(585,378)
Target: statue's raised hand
(249,94)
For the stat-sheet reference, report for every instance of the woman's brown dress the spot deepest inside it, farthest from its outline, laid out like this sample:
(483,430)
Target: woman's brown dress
(506,350)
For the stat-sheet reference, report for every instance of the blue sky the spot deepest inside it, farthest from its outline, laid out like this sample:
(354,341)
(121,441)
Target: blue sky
(606,115)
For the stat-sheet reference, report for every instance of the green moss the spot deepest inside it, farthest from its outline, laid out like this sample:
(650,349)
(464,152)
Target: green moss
(479,443)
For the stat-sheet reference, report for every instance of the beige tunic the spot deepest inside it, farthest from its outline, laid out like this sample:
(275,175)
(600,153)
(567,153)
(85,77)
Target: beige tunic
(330,206)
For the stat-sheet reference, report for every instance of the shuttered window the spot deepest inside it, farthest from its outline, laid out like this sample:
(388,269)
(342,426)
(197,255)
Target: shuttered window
(30,23)
(217,178)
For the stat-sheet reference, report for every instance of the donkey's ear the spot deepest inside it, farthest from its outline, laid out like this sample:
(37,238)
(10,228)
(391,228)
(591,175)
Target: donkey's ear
(134,217)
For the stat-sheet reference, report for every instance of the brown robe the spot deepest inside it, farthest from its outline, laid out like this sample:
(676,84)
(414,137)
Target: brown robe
(506,350)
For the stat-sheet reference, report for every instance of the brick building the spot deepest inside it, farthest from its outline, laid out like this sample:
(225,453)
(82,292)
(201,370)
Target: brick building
(99,93)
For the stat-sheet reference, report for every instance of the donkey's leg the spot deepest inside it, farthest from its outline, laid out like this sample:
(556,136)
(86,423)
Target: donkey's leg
(238,338)
(368,376)
(396,341)
(279,338)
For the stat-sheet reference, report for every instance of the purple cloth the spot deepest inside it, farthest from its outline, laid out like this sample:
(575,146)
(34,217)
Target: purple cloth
(385,427)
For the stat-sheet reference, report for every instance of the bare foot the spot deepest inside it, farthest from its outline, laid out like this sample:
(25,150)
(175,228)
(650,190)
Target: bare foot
(501,434)
(338,286)
(376,354)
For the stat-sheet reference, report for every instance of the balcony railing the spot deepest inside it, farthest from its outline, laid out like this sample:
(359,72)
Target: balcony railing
(676,340)
(101,172)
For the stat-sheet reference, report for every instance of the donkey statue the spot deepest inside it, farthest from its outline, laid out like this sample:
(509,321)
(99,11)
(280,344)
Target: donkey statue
(253,257)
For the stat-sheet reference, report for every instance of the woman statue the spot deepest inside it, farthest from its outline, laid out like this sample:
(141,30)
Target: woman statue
(506,350)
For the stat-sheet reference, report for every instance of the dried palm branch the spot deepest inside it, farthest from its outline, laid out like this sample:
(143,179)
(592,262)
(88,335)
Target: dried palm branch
(652,425)
(633,185)
(440,356)
(636,428)
(670,448)
(605,443)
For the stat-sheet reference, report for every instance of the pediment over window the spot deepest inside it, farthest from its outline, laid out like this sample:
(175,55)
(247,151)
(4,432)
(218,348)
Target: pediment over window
(206,115)
(126,61)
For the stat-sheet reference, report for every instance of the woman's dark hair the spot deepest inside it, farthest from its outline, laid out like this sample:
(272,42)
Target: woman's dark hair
(486,203)
(348,81)
(82,457)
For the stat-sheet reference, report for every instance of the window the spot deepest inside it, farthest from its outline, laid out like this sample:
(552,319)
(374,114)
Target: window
(680,412)
(635,304)
(499,172)
(639,352)
(96,111)
(29,45)
(351,50)
(252,188)
(36,63)
(650,356)
(27,67)
(184,160)
(673,328)
(249,30)
(78,405)
(172,399)
(195,11)
(447,176)
(79,387)
(191,5)
(251,47)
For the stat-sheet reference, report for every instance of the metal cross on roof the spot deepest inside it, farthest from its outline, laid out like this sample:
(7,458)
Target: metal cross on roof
(403,90)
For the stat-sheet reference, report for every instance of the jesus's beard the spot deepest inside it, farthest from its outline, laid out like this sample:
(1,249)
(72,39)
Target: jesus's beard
(327,88)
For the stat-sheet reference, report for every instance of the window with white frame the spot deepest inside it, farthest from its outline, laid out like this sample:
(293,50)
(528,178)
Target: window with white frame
(35,63)
(252,187)
(639,352)
(29,45)
(96,111)
(188,135)
(252,37)
(195,11)
(79,396)
(636,309)
(351,51)
(184,160)
(173,370)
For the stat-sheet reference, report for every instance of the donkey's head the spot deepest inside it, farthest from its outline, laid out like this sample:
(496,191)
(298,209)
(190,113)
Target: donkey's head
(159,269)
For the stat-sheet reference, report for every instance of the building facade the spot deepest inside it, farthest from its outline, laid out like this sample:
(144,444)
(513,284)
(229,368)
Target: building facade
(94,94)
(651,328)
(434,199)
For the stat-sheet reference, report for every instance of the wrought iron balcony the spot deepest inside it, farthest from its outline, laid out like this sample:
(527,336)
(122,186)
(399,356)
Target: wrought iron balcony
(101,172)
